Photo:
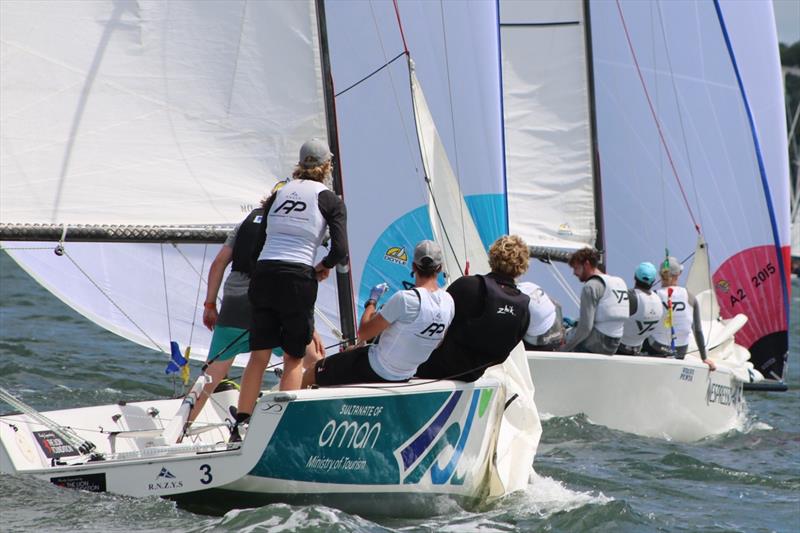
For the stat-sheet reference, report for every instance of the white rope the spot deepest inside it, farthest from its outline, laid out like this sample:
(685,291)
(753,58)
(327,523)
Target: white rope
(197,296)
(166,292)
(564,285)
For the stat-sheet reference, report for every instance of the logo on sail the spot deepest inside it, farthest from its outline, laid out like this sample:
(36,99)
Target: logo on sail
(396,254)
(564,229)
(723,285)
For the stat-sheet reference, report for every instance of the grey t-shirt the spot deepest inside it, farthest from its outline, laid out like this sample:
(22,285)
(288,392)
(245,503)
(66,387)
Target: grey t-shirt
(237,282)
(591,293)
(235,309)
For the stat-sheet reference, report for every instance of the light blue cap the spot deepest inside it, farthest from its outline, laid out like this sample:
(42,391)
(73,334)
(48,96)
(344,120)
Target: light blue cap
(646,273)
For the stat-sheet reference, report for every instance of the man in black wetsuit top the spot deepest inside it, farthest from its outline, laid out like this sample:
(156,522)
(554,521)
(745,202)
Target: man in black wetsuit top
(491,317)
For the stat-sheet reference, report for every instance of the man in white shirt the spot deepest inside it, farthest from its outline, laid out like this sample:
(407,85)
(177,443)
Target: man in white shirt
(411,324)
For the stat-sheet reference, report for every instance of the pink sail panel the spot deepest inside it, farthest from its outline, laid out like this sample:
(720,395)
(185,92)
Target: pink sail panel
(749,282)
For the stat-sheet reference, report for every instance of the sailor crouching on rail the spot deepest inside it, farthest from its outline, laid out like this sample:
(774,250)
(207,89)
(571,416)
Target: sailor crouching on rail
(604,307)
(411,324)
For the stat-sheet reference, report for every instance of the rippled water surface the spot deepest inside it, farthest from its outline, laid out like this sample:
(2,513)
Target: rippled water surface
(589,477)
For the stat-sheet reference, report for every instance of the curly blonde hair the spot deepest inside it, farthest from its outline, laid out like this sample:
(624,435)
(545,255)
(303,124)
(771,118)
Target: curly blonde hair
(318,173)
(509,255)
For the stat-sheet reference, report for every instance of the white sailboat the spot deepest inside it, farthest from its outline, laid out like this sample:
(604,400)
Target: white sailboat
(179,116)
(633,155)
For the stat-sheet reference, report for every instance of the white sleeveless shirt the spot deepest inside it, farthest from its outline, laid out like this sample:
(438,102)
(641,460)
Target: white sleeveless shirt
(295,225)
(541,307)
(613,308)
(682,316)
(412,336)
(642,323)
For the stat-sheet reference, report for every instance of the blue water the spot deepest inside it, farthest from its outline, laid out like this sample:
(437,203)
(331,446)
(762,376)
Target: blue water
(591,478)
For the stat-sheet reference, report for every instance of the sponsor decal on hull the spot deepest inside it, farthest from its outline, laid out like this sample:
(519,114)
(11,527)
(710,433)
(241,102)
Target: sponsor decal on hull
(724,394)
(89,482)
(378,441)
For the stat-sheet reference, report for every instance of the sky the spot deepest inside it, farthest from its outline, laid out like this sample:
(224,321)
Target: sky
(787,18)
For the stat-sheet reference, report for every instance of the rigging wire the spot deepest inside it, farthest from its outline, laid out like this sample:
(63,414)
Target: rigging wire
(368,76)
(119,308)
(655,119)
(453,127)
(393,84)
(565,286)
(680,114)
(663,181)
(197,295)
(166,292)
(422,153)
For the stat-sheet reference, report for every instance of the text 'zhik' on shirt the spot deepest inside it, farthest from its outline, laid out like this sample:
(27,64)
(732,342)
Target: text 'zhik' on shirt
(418,320)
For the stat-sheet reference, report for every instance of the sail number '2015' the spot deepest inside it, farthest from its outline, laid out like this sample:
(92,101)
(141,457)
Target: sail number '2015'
(763,275)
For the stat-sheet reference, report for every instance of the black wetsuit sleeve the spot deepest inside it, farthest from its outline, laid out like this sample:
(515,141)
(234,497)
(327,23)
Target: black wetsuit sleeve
(633,302)
(262,234)
(335,214)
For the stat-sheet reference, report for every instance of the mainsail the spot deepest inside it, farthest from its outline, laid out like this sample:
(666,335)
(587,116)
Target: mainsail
(691,131)
(156,114)
(690,140)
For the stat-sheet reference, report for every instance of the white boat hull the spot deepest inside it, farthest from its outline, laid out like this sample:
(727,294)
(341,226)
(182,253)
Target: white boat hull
(426,439)
(653,397)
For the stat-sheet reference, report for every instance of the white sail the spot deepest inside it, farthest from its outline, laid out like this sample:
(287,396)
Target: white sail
(520,428)
(119,113)
(548,145)
(678,150)
(150,113)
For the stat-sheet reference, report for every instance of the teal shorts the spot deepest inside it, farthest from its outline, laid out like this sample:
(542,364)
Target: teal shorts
(224,336)
(233,340)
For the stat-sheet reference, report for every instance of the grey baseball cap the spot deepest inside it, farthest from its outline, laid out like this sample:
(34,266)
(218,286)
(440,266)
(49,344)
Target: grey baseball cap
(427,254)
(314,153)
(672,265)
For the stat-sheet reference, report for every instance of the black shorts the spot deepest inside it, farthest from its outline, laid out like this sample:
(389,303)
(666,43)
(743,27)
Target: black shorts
(283,307)
(348,367)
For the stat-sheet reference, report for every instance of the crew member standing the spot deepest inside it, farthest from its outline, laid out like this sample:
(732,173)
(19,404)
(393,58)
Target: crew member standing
(283,289)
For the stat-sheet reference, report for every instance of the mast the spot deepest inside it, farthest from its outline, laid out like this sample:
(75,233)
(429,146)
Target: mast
(600,242)
(344,282)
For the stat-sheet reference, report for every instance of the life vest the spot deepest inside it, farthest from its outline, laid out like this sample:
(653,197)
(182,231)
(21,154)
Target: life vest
(246,237)
(500,327)
(404,346)
(643,322)
(682,316)
(541,308)
(295,225)
(613,307)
